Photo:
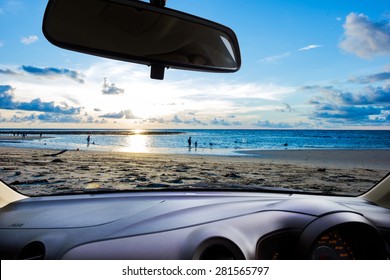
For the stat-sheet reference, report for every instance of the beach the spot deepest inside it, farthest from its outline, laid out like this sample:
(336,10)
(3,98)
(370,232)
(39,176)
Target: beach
(40,171)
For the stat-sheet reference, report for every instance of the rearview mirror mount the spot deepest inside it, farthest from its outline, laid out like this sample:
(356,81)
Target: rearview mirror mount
(143,33)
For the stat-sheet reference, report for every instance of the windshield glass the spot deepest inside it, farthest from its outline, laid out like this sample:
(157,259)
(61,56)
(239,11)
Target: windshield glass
(308,111)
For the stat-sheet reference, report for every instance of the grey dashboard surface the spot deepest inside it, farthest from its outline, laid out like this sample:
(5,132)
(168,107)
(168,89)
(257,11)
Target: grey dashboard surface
(170,225)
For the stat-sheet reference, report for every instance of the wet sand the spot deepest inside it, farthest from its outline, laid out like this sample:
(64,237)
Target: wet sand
(34,171)
(378,159)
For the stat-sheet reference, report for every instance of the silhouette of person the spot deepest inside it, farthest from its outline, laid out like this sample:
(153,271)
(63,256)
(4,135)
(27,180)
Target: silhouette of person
(196,145)
(88,139)
(189,143)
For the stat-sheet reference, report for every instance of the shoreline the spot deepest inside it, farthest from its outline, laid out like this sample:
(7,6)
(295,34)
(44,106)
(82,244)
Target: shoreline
(88,132)
(247,143)
(18,139)
(45,171)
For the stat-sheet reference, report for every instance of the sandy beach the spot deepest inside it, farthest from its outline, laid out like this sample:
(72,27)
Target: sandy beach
(35,171)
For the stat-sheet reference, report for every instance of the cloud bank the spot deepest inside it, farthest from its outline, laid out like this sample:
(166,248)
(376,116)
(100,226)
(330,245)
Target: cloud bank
(7,102)
(48,118)
(223,122)
(268,124)
(371,106)
(7,72)
(383,76)
(53,72)
(125,114)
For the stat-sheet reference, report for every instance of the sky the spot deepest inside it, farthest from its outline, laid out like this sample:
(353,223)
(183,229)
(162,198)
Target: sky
(305,65)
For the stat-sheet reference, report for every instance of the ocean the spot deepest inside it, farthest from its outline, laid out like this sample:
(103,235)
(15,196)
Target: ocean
(209,142)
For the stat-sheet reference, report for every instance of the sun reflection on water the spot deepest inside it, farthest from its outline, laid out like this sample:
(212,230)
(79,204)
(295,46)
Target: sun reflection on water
(139,131)
(137,144)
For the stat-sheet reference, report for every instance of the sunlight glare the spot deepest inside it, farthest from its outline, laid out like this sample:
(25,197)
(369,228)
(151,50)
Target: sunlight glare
(139,131)
(137,144)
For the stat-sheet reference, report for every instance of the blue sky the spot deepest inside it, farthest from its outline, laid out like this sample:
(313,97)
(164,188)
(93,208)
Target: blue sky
(305,64)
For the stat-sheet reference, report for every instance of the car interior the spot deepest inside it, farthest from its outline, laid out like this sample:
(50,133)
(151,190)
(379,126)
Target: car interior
(188,222)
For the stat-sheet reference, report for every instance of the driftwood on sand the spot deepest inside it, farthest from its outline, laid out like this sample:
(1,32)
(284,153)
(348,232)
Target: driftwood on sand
(55,154)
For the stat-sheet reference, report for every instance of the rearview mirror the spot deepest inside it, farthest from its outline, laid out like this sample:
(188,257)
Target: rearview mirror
(139,32)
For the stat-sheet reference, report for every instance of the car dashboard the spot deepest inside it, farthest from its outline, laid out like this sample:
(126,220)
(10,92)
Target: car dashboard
(194,225)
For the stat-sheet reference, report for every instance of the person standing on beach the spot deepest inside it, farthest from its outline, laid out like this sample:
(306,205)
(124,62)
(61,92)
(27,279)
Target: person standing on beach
(189,143)
(88,139)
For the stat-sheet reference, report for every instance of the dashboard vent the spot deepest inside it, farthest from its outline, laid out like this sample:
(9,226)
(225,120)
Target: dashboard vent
(218,249)
(278,246)
(33,251)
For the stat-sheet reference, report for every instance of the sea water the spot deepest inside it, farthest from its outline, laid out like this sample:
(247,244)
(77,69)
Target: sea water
(209,142)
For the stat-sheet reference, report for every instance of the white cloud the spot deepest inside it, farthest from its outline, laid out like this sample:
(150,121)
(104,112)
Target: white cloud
(127,114)
(364,37)
(1,44)
(275,58)
(310,47)
(29,40)
(53,72)
(111,88)
(286,108)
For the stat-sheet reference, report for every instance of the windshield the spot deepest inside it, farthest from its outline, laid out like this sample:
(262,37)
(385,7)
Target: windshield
(309,110)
